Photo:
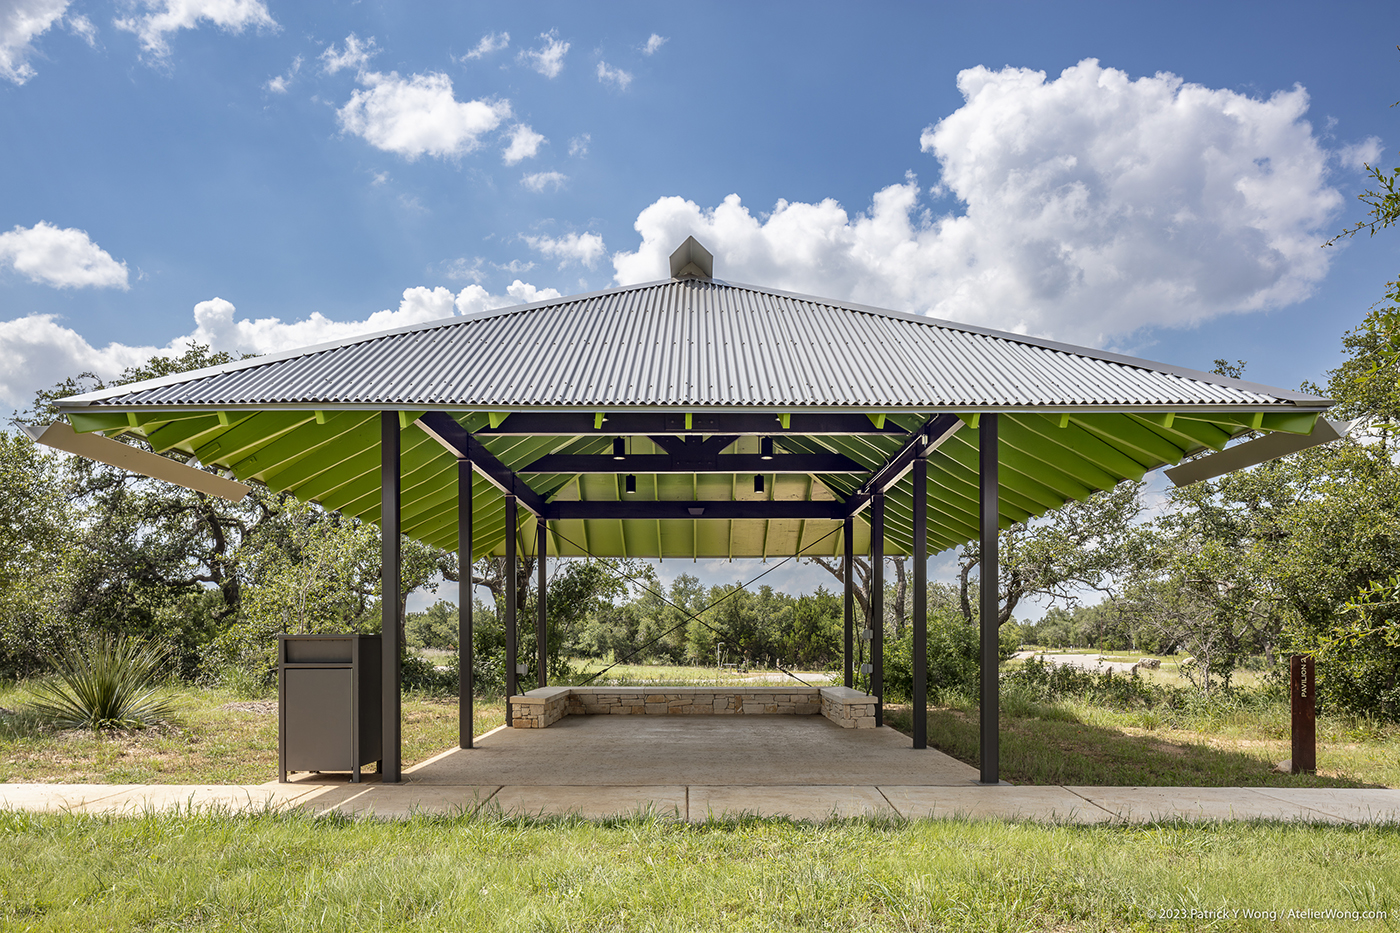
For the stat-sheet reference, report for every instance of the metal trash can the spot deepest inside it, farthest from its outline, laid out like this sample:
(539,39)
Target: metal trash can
(328,709)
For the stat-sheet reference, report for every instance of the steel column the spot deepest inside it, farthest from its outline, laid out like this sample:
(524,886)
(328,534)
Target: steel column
(848,578)
(990,607)
(389,595)
(512,560)
(877,605)
(541,591)
(464,604)
(920,646)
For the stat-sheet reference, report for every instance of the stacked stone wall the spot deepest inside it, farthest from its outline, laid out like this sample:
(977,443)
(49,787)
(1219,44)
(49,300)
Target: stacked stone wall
(537,712)
(848,709)
(544,707)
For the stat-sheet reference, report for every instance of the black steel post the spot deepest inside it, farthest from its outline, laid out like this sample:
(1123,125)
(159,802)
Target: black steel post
(990,605)
(877,605)
(848,577)
(920,645)
(464,603)
(511,576)
(541,591)
(389,595)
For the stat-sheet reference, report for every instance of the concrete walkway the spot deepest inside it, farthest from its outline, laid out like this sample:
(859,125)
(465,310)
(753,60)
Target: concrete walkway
(801,767)
(696,802)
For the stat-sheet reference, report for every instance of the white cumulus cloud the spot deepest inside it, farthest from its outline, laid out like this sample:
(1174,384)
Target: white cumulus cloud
(1359,155)
(280,83)
(524,144)
(163,17)
(491,42)
(21,22)
(218,326)
(584,248)
(83,28)
(614,76)
(38,351)
(548,59)
(418,115)
(475,298)
(1091,206)
(654,43)
(578,146)
(61,257)
(356,55)
(539,181)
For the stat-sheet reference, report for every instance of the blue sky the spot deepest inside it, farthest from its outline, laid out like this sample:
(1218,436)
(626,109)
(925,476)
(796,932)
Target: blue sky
(259,174)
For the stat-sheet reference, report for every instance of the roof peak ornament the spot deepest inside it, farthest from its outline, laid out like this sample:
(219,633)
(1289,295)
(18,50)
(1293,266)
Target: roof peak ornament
(692,261)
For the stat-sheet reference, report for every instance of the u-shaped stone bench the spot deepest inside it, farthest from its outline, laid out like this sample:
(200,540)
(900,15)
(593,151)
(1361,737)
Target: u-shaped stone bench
(545,706)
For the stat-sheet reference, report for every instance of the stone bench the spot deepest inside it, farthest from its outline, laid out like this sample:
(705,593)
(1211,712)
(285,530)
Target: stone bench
(544,706)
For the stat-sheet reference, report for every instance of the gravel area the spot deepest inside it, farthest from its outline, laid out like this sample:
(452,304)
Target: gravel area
(256,707)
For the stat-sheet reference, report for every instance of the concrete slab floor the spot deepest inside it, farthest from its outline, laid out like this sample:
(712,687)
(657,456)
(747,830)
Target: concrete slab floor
(593,802)
(140,798)
(796,802)
(56,797)
(1357,805)
(397,801)
(1149,804)
(1049,803)
(669,751)
(697,802)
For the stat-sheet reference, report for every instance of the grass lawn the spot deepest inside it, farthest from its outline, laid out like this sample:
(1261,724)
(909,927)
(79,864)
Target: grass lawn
(212,742)
(1066,742)
(292,872)
(1075,743)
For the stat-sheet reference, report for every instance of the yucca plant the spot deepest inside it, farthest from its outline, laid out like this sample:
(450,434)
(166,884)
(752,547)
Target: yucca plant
(110,683)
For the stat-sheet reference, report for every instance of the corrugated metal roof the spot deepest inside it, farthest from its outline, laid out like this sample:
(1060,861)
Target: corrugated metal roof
(697,344)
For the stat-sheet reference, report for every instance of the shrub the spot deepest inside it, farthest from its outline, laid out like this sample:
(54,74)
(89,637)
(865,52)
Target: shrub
(112,683)
(954,656)
(1050,682)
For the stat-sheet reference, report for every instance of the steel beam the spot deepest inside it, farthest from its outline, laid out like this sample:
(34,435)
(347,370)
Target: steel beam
(877,604)
(693,448)
(390,766)
(721,508)
(512,560)
(920,641)
(529,423)
(464,604)
(541,591)
(990,604)
(927,439)
(849,602)
(444,429)
(668,463)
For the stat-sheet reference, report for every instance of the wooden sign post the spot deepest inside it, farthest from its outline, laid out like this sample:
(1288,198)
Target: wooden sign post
(1304,682)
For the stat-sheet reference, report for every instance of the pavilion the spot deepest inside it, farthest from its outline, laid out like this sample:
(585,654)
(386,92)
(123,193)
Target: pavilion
(690,417)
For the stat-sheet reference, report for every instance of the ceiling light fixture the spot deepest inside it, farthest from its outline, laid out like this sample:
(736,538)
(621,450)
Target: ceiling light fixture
(631,483)
(619,448)
(765,448)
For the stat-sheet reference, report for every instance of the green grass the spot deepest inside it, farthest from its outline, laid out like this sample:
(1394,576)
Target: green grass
(274,873)
(1072,742)
(206,744)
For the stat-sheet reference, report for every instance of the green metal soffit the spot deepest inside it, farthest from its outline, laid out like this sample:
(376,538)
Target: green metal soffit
(332,458)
